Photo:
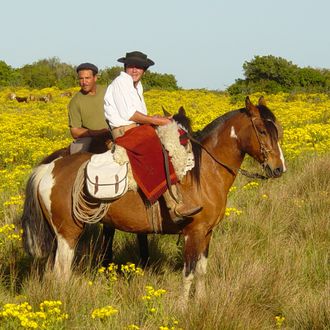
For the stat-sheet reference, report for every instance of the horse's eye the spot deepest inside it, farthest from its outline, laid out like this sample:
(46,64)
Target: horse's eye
(262,131)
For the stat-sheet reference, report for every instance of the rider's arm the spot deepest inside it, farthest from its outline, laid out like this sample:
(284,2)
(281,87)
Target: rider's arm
(80,132)
(140,118)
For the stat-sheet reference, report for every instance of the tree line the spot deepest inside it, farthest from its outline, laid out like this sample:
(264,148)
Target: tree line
(54,73)
(262,74)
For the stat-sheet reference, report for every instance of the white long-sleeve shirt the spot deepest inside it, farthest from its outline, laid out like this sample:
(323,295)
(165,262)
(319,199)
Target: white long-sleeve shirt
(122,100)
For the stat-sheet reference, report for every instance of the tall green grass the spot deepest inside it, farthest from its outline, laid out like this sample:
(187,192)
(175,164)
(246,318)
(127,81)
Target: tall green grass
(268,267)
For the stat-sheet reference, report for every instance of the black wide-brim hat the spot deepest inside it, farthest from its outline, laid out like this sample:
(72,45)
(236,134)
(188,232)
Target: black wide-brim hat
(136,58)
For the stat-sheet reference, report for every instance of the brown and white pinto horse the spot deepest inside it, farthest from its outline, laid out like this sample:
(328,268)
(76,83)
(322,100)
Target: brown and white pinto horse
(100,144)
(219,152)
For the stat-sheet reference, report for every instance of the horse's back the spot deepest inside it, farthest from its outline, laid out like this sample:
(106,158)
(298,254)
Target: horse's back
(56,154)
(70,164)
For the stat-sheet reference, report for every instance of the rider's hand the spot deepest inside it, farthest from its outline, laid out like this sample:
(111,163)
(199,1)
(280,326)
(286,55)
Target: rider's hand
(160,120)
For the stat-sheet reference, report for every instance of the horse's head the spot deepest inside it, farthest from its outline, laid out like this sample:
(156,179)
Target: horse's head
(262,142)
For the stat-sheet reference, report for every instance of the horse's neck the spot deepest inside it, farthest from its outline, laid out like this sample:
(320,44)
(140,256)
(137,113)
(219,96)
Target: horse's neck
(223,144)
(223,157)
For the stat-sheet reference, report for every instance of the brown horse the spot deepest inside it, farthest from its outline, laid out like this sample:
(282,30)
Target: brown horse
(219,151)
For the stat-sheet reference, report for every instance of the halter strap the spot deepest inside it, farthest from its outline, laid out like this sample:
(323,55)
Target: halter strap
(264,151)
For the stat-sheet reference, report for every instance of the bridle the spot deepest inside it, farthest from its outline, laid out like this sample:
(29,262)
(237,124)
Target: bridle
(263,150)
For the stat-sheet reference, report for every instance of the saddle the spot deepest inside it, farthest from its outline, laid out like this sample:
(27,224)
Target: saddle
(109,175)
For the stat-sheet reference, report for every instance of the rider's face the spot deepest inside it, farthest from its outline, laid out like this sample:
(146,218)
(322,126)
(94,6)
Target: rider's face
(135,72)
(87,81)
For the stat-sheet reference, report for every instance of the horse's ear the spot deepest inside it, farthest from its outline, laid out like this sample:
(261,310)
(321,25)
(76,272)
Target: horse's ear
(247,102)
(251,109)
(166,113)
(262,101)
(182,111)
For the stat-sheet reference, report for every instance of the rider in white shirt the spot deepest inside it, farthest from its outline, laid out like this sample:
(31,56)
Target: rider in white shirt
(125,110)
(122,100)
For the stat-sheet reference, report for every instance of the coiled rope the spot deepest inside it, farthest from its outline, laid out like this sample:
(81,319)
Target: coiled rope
(83,209)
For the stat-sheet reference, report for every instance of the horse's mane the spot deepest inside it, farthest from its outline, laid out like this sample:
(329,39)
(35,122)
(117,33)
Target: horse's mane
(265,113)
(199,136)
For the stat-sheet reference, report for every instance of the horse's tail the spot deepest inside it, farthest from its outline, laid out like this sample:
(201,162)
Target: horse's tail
(38,238)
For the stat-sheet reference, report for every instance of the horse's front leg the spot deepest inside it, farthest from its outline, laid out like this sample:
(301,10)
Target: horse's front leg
(201,268)
(195,263)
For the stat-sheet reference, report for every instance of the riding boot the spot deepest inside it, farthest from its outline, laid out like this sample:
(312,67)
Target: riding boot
(177,207)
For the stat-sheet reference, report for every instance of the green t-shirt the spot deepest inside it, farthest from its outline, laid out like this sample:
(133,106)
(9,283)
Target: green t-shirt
(88,110)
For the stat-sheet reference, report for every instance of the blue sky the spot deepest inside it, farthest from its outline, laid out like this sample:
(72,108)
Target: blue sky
(202,43)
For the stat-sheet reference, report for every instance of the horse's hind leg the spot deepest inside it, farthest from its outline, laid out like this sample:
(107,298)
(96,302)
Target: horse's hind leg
(63,258)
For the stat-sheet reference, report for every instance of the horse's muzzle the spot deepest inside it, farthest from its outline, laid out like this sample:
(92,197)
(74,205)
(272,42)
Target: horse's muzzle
(273,173)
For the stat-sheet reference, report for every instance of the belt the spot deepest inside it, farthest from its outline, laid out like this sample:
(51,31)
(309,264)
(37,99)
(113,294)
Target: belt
(120,131)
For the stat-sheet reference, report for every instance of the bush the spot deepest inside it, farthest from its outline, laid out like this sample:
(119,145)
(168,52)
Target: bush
(275,74)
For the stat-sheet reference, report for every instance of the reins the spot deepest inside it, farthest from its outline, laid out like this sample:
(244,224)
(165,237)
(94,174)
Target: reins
(234,170)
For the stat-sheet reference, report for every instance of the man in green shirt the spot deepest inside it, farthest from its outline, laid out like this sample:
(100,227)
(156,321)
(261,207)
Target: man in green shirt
(86,109)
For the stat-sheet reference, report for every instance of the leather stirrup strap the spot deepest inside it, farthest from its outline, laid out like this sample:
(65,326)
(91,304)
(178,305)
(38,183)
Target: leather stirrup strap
(167,173)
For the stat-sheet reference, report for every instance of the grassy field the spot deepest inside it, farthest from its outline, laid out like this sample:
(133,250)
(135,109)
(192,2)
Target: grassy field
(269,258)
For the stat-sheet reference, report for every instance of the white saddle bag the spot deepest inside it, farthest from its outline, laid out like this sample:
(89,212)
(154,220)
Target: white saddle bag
(106,179)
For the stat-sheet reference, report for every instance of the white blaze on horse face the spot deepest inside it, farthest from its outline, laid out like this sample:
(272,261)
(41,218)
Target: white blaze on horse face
(233,134)
(282,157)
(45,187)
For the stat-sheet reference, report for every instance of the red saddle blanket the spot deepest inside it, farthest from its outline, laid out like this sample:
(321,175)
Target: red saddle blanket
(145,153)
